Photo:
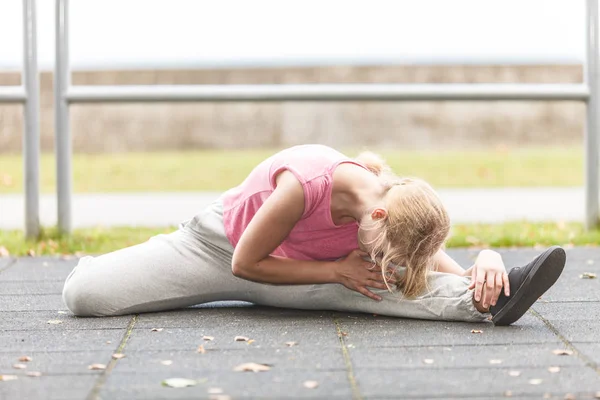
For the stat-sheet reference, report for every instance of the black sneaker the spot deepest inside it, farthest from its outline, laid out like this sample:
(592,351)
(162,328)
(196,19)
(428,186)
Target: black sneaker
(527,284)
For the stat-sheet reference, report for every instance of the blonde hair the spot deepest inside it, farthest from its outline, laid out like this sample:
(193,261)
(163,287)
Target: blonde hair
(414,230)
(374,163)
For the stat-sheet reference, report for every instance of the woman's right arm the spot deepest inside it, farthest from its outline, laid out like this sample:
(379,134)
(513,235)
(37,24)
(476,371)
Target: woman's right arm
(275,219)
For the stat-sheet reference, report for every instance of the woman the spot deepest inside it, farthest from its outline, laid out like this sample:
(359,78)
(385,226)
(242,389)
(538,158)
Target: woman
(301,231)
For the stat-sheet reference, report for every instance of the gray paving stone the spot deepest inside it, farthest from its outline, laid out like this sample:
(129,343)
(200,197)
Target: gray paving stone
(386,353)
(5,262)
(590,350)
(39,302)
(273,334)
(38,269)
(475,382)
(215,358)
(570,287)
(514,356)
(273,384)
(64,387)
(58,362)
(38,320)
(576,321)
(393,332)
(58,340)
(230,313)
(28,288)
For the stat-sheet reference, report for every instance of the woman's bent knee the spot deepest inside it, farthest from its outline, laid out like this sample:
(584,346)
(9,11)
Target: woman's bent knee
(85,296)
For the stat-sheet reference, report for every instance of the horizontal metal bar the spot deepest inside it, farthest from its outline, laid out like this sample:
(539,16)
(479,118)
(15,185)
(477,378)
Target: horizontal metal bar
(12,94)
(327,92)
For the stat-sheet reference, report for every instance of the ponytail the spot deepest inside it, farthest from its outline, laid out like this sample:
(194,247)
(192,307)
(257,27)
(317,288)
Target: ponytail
(374,162)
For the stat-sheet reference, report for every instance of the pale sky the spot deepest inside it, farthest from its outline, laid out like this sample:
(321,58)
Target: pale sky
(211,33)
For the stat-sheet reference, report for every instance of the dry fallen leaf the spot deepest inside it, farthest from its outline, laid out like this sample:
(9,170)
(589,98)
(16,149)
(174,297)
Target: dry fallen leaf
(495,361)
(201,349)
(179,382)
(25,359)
(8,378)
(19,366)
(291,344)
(252,367)
(240,339)
(562,352)
(554,370)
(166,362)
(342,334)
(476,331)
(535,381)
(156,329)
(108,342)
(219,397)
(514,373)
(33,374)
(250,341)
(214,390)
(209,338)
(588,275)
(97,366)
(428,361)
(31,253)
(311,384)
(118,356)
(4,253)
(55,322)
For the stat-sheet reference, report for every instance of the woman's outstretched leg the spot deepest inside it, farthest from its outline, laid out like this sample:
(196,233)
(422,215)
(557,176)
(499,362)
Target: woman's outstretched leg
(448,298)
(166,272)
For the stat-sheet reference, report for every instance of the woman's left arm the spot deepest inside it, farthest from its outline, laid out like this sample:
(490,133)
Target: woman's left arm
(444,263)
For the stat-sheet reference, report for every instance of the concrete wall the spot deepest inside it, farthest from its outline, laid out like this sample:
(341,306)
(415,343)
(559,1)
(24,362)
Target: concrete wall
(147,127)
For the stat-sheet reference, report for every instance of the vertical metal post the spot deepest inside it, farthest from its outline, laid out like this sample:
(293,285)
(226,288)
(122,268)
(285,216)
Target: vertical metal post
(31,131)
(592,115)
(61,118)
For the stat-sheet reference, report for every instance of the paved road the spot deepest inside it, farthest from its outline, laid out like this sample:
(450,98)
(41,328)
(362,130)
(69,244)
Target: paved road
(165,209)
(350,356)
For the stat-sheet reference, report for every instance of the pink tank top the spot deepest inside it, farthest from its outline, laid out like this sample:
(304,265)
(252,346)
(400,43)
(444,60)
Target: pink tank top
(315,236)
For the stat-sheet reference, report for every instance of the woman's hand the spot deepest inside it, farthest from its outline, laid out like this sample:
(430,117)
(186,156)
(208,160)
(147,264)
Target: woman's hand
(357,274)
(489,272)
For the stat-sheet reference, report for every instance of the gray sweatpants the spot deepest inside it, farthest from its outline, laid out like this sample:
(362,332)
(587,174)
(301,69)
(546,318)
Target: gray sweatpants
(193,265)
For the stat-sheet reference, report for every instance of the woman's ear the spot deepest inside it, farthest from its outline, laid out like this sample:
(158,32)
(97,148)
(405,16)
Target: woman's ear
(379,213)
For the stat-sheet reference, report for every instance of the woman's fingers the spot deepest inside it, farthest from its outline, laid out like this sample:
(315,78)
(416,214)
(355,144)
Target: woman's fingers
(360,253)
(368,293)
(489,288)
(497,287)
(479,282)
(473,278)
(506,283)
(377,284)
(377,277)
(370,265)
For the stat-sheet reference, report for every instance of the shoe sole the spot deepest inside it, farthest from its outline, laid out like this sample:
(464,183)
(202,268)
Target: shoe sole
(541,277)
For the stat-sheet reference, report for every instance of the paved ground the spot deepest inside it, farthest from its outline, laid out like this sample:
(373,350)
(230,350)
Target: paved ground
(169,209)
(350,356)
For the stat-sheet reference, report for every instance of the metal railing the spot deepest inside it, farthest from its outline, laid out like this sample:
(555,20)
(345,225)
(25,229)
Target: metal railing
(28,95)
(65,94)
